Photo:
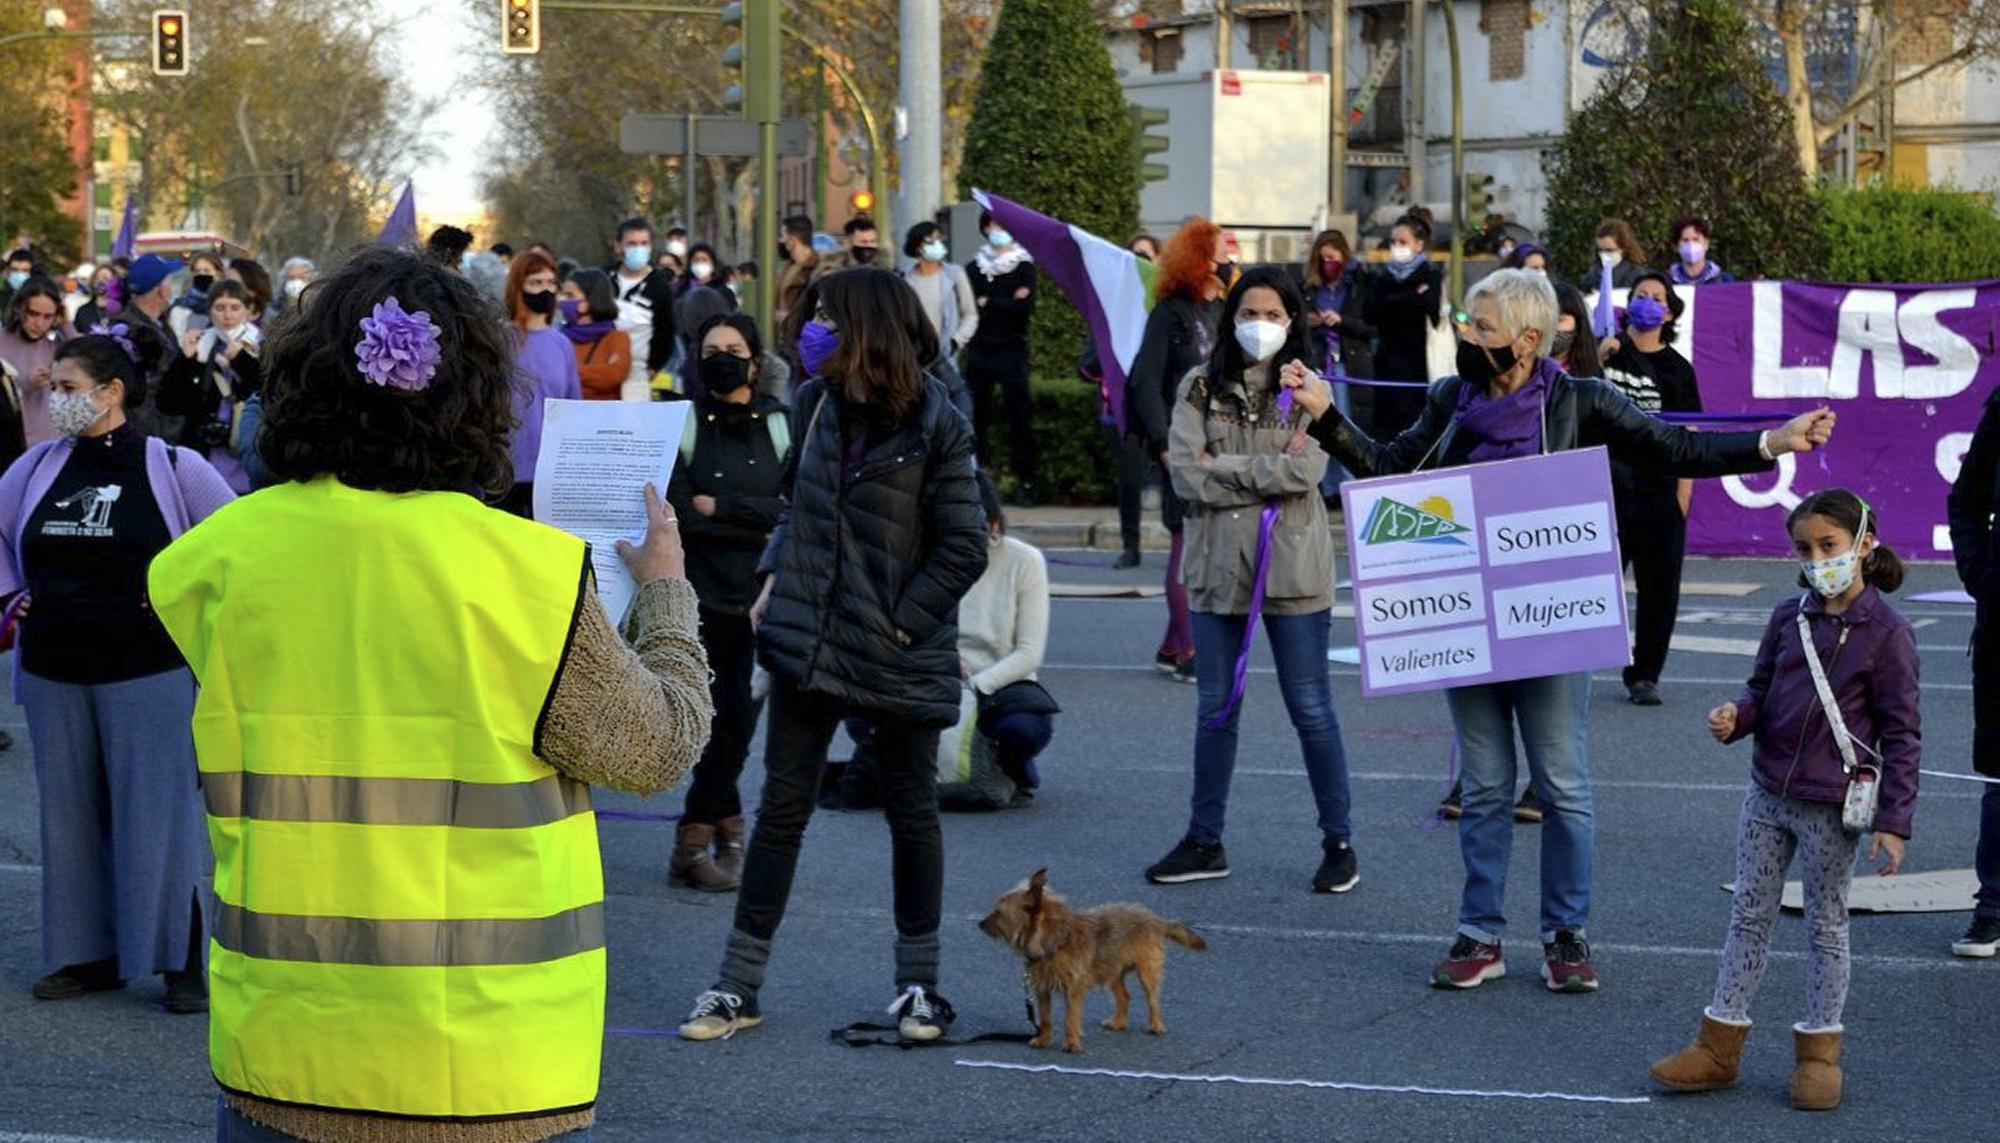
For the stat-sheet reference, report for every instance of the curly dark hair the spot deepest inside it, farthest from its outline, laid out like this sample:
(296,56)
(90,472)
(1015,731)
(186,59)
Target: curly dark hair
(323,417)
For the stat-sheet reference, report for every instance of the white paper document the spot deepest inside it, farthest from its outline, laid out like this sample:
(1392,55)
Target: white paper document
(596,459)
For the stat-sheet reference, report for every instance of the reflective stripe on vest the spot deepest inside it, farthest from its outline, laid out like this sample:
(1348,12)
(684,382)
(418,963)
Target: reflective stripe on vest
(410,903)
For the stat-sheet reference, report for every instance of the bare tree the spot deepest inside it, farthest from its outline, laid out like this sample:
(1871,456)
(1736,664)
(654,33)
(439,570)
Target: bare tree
(1895,42)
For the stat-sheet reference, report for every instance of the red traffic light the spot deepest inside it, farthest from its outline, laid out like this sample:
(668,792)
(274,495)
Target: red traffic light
(170,42)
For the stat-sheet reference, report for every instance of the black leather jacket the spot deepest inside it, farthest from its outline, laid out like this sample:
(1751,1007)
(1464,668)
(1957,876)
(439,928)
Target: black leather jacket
(1580,412)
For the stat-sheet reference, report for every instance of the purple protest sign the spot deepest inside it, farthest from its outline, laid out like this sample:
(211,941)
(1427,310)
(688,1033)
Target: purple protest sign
(1486,572)
(1906,368)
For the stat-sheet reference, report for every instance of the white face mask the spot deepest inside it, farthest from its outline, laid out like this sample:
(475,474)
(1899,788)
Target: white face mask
(677,248)
(294,287)
(1260,339)
(72,413)
(1832,576)
(1610,257)
(1400,253)
(702,271)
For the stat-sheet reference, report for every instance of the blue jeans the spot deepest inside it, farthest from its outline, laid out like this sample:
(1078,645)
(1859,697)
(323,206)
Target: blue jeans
(231,1126)
(1298,644)
(1988,860)
(1553,713)
(1018,739)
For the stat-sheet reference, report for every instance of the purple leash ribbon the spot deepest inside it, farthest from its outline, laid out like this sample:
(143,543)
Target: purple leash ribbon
(1265,523)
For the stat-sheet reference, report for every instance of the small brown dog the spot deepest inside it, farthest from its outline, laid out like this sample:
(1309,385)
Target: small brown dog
(1072,952)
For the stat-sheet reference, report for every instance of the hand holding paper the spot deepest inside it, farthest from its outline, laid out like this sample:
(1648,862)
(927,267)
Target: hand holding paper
(660,557)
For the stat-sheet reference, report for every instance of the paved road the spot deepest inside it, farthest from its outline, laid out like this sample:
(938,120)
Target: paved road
(1324,990)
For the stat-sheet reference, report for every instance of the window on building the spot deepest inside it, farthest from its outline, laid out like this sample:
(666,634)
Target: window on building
(1505,23)
(1270,41)
(1167,49)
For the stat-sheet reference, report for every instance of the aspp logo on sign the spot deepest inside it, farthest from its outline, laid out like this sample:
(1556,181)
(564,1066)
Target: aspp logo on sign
(1430,521)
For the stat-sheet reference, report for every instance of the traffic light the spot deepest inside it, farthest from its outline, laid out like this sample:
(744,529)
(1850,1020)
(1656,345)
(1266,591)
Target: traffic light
(1478,194)
(170,42)
(861,202)
(1145,145)
(521,26)
(755,56)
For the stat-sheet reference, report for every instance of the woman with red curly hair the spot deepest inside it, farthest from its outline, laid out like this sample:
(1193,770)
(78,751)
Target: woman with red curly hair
(544,364)
(1180,334)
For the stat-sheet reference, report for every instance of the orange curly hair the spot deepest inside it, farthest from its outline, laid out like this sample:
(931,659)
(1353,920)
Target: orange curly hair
(1187,262)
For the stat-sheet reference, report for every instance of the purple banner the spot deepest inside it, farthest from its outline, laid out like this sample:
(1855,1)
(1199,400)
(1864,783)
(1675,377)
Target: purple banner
(1905,367)
(1486,572)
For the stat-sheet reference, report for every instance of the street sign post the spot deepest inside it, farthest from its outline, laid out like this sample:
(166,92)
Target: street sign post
(724,136)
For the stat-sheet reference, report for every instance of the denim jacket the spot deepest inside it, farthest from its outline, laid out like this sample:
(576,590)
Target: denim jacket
(1873,673)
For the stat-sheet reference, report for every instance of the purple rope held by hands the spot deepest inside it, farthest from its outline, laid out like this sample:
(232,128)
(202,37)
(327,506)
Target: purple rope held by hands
(1265,523)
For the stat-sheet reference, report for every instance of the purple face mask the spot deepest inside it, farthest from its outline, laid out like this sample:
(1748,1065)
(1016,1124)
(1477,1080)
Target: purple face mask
(1646,313)
(571,308)
(816,344)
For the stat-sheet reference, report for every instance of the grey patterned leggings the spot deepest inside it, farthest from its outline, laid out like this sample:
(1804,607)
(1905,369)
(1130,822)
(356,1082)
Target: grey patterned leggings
(1771,830)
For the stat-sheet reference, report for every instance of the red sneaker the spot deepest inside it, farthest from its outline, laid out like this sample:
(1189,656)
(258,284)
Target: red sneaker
(1566,964)
(1469,964)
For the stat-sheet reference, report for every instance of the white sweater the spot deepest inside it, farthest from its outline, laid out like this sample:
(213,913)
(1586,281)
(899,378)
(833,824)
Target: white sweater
(1003,622)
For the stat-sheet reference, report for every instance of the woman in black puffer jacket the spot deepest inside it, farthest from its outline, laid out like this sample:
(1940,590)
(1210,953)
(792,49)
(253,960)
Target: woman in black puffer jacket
(882,533)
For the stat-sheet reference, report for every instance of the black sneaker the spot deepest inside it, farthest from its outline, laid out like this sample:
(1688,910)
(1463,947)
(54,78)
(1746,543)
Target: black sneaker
(1982,939)
(1529,809)
(187,993)
(925,1016)
(1449,809)
(719,1014)
(1130,559)
(1338,871)
(1645,692)
(72,981)
(1189,861)
(1184,671)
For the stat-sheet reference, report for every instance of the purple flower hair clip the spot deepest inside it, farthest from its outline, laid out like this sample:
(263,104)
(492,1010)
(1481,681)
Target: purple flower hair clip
(120,333)
(398,349)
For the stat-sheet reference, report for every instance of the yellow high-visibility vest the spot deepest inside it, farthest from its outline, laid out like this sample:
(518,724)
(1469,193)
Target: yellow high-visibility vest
(409,901)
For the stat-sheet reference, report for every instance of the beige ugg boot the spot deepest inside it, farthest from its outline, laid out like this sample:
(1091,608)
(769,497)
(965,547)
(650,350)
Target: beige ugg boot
(1816,1075)
(1710,1062)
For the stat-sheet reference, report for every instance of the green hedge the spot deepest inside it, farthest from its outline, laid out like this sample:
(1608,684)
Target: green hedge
(1894,234)
(1076,464)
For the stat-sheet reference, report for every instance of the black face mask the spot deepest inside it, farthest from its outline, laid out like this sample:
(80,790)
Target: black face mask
(201,282)
(863,255)
(1564,342)
(1480,364)
(540,301)
(723,373)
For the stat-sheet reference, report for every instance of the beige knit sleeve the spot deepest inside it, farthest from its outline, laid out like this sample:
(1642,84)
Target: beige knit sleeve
(632,717)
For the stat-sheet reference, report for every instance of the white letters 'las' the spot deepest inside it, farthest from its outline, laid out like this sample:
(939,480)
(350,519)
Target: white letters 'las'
(1957,358)
(1868,326)
(1770,377)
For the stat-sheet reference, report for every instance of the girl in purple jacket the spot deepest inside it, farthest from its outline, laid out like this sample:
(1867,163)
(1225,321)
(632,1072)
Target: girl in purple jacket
(1868,654)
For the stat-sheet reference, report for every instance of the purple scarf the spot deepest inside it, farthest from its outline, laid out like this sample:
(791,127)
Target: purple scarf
(1508,426)
(583,333)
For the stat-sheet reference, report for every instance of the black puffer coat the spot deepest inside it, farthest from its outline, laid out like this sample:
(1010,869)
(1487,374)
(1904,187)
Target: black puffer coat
(1975,545)
(860,562)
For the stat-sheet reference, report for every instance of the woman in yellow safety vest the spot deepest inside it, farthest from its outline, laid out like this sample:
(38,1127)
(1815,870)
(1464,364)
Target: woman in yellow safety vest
(405,696)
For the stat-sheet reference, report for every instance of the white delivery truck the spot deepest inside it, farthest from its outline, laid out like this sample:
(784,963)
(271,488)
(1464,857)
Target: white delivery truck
(1247,149)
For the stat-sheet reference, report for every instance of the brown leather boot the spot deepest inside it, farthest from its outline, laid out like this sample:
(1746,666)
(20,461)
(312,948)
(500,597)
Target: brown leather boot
(692,867)
(729,847)
(1816,1076)
(1709,1063)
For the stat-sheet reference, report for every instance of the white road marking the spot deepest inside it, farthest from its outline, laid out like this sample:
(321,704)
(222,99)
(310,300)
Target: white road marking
(1324,1085)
